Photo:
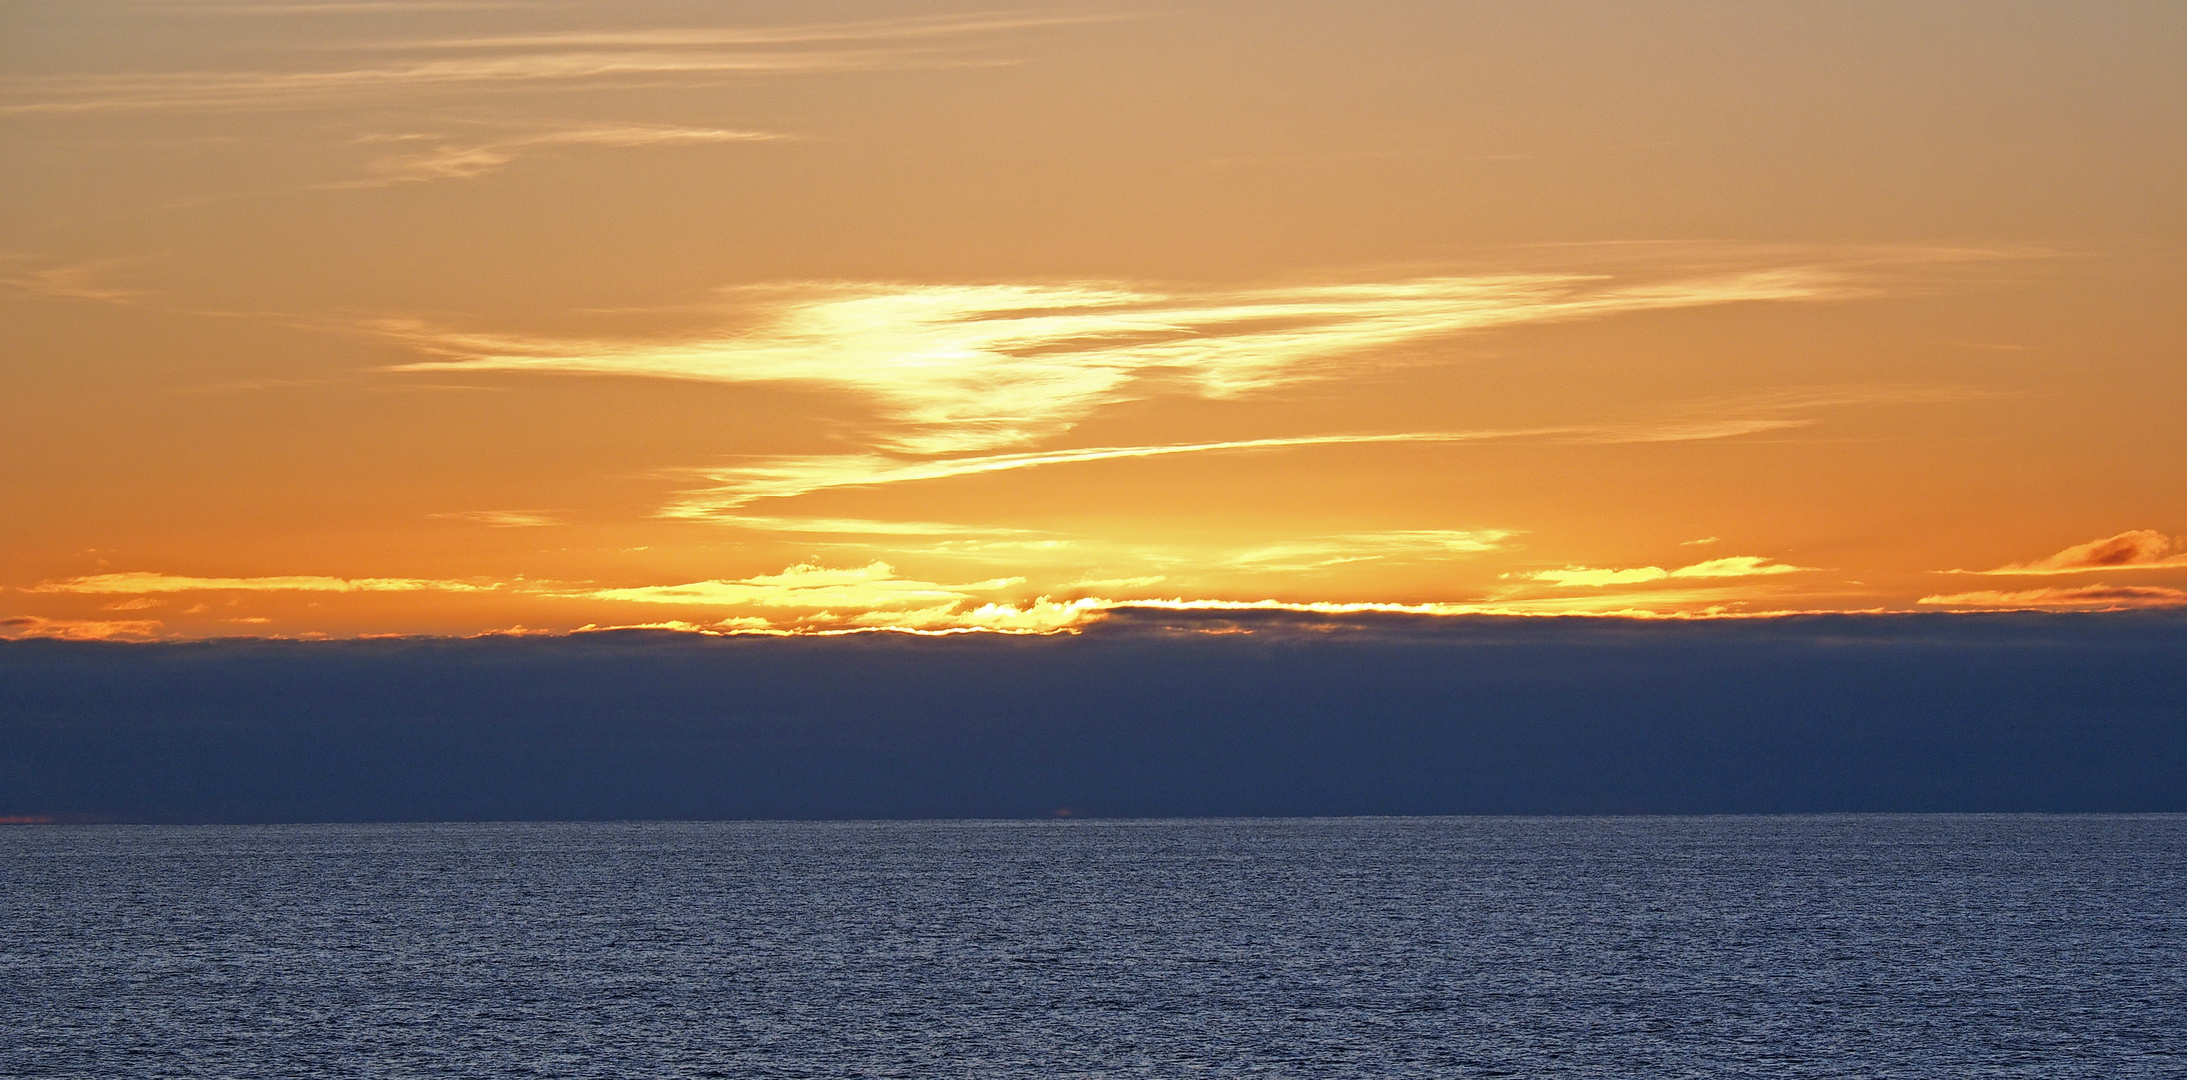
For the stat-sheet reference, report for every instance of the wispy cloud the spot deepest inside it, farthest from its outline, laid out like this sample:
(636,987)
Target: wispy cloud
(84,280)
(787,477)
(589,59)
(143,583)
(1313,553)
(958,368)
(2138,549)
(318,7)
(502,519)
(836,526)
(2084,598)
(1729,567)
(447,159)
(937,26)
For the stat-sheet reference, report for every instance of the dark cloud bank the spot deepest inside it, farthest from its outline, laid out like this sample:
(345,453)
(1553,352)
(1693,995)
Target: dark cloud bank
(1378,716)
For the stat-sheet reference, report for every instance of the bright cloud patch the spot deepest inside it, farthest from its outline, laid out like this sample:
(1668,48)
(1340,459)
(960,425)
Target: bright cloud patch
(2085,598)
(1732,567)
(2139,549)
(958,368)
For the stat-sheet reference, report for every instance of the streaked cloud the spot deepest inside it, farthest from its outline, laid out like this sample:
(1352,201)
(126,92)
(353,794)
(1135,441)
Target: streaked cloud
(502,519)
(33,626)
(1729,567)
(140,583)
(958,368)
(446,159)
(833,526)
(319,7)
(2138,549)
(2084,597)
(788,477)
(594,60)
(85,280)
(1314,553)
(699,37)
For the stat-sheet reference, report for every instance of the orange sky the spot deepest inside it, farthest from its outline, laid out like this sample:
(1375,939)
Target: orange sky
(403,316)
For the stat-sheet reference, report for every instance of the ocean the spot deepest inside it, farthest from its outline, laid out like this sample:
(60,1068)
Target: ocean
(1850,946)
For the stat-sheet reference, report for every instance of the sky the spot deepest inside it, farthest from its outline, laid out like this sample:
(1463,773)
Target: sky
(454,317)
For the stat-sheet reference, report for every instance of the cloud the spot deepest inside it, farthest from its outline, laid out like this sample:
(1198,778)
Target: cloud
(502,519)
(322,7)
(868,588)
(75,281)
(592,59)
(959,368)
(695,37)
(2085,597)
(1313,553)
(458,160)
(788,477)
(140,583)
(830,526)
(2139,549)
(1733,566)
(33,626)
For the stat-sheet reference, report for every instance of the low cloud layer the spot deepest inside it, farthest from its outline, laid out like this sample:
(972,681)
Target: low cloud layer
(33,626)
(2082,598)
(1156,713)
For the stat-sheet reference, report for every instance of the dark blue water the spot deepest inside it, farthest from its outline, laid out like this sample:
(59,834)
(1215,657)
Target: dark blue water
(1449,947)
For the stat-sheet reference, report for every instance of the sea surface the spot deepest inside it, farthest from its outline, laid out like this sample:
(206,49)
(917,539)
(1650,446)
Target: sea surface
(1861,946)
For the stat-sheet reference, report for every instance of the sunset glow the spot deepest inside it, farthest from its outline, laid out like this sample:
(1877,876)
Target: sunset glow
(347,319)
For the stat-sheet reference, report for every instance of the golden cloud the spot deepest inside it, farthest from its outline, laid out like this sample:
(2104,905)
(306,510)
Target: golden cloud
(2137,549)
(959,368)
(1732,566)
